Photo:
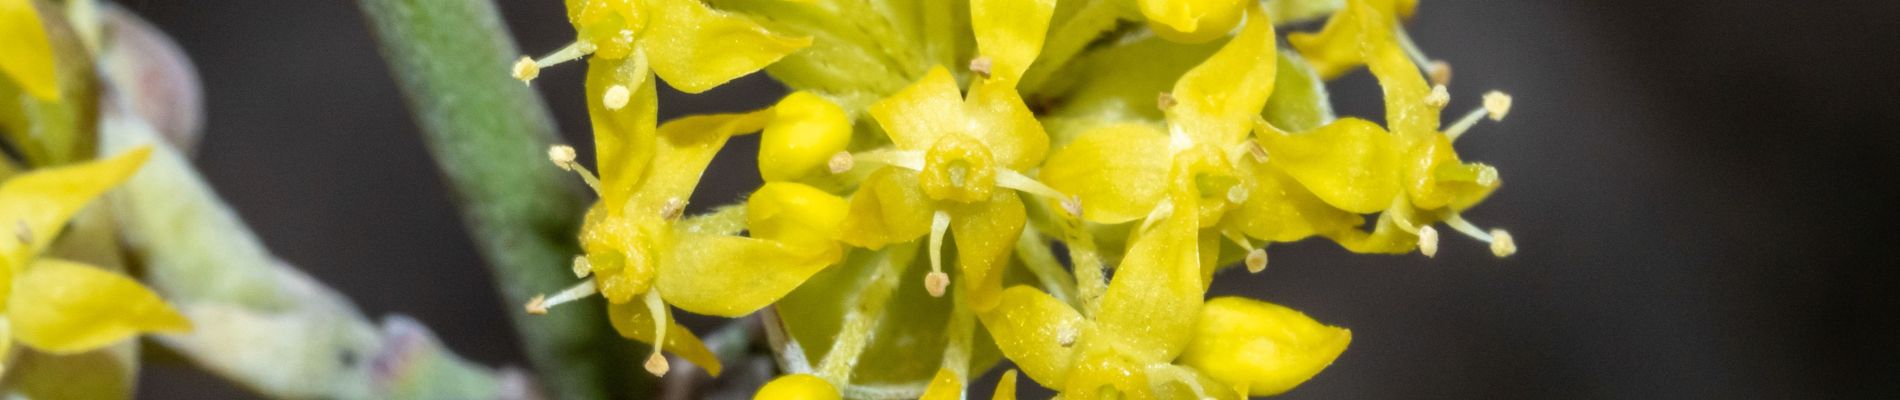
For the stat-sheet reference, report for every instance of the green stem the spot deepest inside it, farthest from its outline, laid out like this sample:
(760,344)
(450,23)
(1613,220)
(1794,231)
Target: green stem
(489,134)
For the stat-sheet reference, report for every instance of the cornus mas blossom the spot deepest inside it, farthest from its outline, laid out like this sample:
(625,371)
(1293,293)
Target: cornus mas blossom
(1153,141)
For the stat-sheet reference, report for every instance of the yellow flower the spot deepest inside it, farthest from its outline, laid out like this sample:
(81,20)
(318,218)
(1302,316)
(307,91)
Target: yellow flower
(60,306)
(693,47)
(26,57)
(1410,174)
(797,387)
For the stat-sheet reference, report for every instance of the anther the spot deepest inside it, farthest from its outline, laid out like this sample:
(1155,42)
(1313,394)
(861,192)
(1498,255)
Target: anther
(1428,241)
(1439,71)
(1497,104)
(981,65)
(525,70)
(673,209)
(616,97)
(1488,176)
(582,267)
(841,162)
(656,363)
(1502,245)
(1066,335)
(1237,194)
(936,282)
(537,305)
(1257,260)
(562,156)
(1439,98)
(1164,101)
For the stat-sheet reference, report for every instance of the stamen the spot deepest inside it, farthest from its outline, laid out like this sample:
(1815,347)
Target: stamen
(1256,151)
(1256,257)
(1488,176)
(936,281)
(1237,194)
(1497,104)
(616,97)
(981,66)
(841,162)
(563,156)
(1165,101)
(1502,245)
(1428,241)
(1465,123)
(1439,71)
(1439,98)
(911,160)
(1016,180)
(656,363)
(540,304)
(1411,48)
(571,52)
(582,267)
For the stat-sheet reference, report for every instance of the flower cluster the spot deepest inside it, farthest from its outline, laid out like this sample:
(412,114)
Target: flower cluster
(936,154)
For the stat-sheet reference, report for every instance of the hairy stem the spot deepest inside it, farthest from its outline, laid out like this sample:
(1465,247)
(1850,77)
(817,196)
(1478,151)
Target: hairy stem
(488,134)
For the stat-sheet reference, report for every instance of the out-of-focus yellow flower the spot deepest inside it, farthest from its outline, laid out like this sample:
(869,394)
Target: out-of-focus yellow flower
(60,306)
(26,57)
(1410,174)
(947,386)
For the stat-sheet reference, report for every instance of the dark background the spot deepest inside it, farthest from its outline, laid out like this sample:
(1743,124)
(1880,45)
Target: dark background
(1700,190)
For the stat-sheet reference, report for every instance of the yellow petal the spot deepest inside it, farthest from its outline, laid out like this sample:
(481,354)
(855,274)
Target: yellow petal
(944,386)
(1192,21)
(916,116)
(1334,50)
(796,214)
(1217,101)
(797,387)
(1406,111)
(1006,387)
(634,321)
(1279,209)
(25,55)
(1268,348)
(35,206)
(998,118)
(731,276)
(64,307)
(985,232)
(1385,238)
(686,146)
(1010,33)
(805,132)
(1350,163)
(1036,332)
(1152,300)
(1101,369)
(696,48)
(1114,171)
(623,138)
(888,208)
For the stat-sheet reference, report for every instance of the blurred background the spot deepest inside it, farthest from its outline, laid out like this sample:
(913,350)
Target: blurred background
(1700,191)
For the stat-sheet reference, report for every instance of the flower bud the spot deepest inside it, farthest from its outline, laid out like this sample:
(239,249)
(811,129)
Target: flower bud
(797,387)
(804,135)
